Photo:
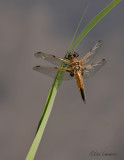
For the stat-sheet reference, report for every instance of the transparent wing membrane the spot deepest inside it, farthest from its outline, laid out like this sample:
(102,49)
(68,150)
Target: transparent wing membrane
(91,69)
(90,55)
(51,58)
(52,71)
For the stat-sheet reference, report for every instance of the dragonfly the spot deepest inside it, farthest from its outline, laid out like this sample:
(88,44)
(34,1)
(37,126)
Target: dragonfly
(73,67)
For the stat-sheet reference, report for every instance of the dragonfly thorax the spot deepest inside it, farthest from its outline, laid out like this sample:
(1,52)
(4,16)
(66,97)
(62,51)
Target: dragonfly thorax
(76,68)
(76,63)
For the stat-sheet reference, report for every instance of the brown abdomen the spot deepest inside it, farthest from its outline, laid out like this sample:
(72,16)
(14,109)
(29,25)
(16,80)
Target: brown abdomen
(80,84)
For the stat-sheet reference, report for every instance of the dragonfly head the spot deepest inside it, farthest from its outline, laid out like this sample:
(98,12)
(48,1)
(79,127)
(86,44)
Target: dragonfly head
(72,55)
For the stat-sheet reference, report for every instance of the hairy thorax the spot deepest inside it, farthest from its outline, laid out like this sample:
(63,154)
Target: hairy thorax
(75,64)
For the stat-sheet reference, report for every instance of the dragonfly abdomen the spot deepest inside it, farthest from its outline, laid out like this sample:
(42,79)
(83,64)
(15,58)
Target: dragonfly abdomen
(80,84)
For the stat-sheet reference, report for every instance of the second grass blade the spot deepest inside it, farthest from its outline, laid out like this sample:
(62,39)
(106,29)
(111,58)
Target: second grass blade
(94,21)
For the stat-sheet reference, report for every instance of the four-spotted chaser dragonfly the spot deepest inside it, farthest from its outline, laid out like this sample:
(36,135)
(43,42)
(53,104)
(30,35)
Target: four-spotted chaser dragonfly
(72,66)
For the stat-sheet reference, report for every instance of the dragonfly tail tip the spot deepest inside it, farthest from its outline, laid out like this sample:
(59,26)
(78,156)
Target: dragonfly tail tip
(83,95)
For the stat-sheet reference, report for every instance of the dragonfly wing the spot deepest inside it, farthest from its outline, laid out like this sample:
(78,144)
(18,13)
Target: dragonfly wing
(52,71)
(51,58)
(90,55)
(91,69)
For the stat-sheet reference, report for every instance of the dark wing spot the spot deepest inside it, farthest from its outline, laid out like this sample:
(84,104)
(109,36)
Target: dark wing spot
(37,54)
(100,41)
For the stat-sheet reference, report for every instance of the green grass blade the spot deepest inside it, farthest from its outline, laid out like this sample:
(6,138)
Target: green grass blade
(44,119)
(56,84)
(50,98)
(77,30)
(94,21)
